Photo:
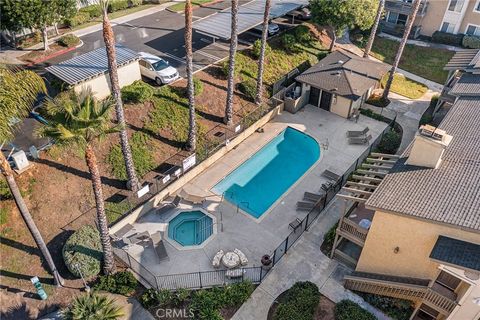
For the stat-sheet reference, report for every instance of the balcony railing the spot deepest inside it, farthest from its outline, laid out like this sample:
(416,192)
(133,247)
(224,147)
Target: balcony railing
(402,288)
(398,29)
(352,231)
(403,7)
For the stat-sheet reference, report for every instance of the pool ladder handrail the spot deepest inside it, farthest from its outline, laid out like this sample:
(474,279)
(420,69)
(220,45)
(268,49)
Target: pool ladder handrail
(246,202)
(196,221)
(204,229)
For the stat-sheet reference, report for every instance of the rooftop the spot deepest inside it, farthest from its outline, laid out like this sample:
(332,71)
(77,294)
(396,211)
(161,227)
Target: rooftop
(457,252)
(90,65)
(345,74)
(467,60)
(467,85)
(449,194)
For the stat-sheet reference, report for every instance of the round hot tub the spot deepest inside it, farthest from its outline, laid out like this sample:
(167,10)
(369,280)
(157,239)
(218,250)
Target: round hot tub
(190,228)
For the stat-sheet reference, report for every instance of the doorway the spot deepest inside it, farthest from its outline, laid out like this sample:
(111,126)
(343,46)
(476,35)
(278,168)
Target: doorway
(326,100)
(314,96)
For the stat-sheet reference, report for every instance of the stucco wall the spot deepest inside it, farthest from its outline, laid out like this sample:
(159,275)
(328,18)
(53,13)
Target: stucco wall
(414,237)
(100,85)
(341,107)
(432,20)
(471,17)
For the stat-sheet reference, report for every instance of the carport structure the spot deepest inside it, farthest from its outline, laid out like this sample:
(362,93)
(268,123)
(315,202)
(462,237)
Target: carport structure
(250,15)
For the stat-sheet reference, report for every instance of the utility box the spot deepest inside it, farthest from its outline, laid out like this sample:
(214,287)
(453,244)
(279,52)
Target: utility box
(20,160)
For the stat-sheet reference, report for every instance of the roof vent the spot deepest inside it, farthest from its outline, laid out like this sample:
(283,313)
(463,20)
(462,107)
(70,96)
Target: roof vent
(428,147)
(432,132)
(341,61)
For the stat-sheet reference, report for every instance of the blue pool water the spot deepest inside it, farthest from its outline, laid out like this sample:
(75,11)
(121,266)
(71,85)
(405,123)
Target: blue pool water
(256,184)
(190,228)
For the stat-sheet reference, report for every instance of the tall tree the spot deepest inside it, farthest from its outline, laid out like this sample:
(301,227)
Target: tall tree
(231,64)
(340,15)
(18,92)
(403,42)
(79,121)
(261,58)
(373,32)
(12,18)
(192,130)
(109,39)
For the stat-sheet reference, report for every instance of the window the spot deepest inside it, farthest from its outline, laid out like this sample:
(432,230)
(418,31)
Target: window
(455,5)
(473,30)
(392,17)
(402,19)
(447,27)
(477,6)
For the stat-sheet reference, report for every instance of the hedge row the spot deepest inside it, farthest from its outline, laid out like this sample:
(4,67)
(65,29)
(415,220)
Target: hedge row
(464,40)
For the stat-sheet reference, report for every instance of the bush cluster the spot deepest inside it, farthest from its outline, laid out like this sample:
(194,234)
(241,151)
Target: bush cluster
(302,34)
(117,5)
(447,38)
(136,3)
(85,249)
(390,142)
(249,88)
(300,302)
(198,86)
(122,282)
(4,189)
(471,42)
(348,310)
(257,46)
(69,40)
(289,42)
(397,309)
(137,92)
(78,19)
(94,10)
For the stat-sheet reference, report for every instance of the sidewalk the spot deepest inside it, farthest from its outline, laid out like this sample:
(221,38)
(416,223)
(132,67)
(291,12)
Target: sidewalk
(304,262)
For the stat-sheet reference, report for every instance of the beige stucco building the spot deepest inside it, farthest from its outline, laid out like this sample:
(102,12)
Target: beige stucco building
(89,71)
(452,16)
(411,227)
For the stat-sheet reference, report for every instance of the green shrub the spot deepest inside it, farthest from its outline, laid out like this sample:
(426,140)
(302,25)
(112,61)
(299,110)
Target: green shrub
(397,309)
(92,306)
(83,248)
(289,42)
(94,10)
(378,101)
(349,310)
(137,92)
(329,238)
(300,302)
(117,5)
(69,40)
(390,142)
(257,46)
(3,215)
(198,86)
(4,190)
(236,294)
(141,153)
(207,303)
(302,34)
(447,38)
(78,19)
(472,42)
(148,298)
(433,101)
(136,3)
(122,282)
(249,88)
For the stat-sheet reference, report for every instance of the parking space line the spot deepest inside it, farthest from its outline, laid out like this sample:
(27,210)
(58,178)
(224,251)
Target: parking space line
(173,57)
(221,46)
(208,55)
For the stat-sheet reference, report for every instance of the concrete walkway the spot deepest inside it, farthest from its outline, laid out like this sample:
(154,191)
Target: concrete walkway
(304,261)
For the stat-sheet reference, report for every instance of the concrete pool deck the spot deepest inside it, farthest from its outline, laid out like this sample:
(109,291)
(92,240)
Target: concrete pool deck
(236,229)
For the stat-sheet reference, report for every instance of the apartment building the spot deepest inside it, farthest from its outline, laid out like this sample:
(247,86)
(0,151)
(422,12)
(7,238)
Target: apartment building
(411,228)
(452,16)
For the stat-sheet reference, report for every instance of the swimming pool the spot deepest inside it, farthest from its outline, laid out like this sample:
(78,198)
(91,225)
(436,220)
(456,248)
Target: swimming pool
(190,228)
(256,184)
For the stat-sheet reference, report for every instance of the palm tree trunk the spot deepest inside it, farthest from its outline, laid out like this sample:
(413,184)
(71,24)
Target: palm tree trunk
(231,65)
(109,40)
(406,33)
(373,32)
(192,131)
(108,260)
(27,217)
(261,58)
(45,38)
(334,39)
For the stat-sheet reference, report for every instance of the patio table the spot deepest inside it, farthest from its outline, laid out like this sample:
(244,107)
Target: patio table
(231,260)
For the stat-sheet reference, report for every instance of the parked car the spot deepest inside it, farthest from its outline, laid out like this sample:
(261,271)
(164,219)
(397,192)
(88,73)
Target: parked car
(157,69)
(302,14)
(273,28)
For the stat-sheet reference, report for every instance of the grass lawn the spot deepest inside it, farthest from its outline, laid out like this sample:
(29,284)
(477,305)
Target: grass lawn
(422,61)
(406,87)
(181,6)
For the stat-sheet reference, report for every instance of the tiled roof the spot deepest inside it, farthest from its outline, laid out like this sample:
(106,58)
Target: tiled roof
(90,65)
(467,85)
(457,252)
(466,60)
(449,194)
(345,74)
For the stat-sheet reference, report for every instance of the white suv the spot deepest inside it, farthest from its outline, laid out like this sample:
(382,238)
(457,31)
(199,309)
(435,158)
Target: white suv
(157,69)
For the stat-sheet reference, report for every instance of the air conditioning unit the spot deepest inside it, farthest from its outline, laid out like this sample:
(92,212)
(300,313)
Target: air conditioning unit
(432,132)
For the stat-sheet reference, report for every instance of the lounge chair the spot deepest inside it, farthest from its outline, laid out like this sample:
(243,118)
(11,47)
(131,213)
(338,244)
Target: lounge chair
(314,197)
(359,140)
(295,224)
(176,201)
(158,245)
(243,257)
(217,259)
(123,231)
(331,176)
(356,133)
(305,206)
(327,186)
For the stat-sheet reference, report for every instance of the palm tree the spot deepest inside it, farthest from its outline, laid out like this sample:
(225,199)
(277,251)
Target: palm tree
(109,39)
(373,32)
(261,58)
(93,307)
(18,92)
(79,121)
(406,33)
(192,131)
(231,64)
